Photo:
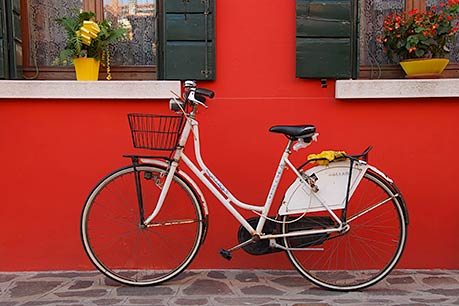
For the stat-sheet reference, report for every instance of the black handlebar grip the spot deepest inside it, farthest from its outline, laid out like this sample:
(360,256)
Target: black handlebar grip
(200,98)
(205,92)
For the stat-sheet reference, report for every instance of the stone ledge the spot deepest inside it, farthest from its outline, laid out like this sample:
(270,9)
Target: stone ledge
(403,88)
(18,89)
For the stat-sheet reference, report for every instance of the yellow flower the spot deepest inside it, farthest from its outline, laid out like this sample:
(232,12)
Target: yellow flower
(88,31)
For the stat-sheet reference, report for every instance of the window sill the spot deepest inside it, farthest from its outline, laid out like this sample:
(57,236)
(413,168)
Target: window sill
(397,88)
(23,89)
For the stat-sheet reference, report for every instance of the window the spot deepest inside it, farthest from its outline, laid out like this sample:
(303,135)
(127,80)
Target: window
(139,18)
(372,15)
(373,62)
(183,24)
(10,40)
(134,58)
(332,43)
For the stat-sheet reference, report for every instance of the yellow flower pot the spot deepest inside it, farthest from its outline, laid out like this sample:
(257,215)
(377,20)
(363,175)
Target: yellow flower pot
(86,68)
(424,66)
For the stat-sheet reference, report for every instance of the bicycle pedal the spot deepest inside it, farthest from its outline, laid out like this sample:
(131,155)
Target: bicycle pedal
(226,254)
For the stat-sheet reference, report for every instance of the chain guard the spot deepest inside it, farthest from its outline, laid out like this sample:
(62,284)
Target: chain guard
(307,223)
(262,247)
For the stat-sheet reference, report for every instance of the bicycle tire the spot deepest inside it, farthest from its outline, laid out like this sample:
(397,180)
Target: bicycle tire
(127,252)
(368,251)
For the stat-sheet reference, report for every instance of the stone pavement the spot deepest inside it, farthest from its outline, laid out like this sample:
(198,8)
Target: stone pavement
(226,287)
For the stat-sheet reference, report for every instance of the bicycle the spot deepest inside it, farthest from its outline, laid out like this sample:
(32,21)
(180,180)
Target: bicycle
(342,222)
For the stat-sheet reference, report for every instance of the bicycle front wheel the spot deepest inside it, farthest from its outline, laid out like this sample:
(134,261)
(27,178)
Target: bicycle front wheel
(368,250)
(125,250)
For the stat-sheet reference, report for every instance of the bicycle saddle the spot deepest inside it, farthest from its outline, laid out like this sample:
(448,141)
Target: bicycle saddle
(295,132)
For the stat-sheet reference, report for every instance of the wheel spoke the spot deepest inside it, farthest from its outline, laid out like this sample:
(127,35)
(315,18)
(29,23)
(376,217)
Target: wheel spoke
(171,222)
(370,208)
(128,252)
(368,251)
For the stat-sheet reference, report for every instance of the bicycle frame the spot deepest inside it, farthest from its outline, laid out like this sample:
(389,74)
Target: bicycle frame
(228,200)
(335,207)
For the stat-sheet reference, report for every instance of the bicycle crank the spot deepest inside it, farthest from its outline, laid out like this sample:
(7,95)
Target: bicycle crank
(252,244)
(227,253)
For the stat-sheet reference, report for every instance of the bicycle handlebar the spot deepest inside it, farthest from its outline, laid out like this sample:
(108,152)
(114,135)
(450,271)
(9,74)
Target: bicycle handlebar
(205,92)
(193,95)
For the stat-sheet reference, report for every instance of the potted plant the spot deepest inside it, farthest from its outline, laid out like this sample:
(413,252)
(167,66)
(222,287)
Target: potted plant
(87,43)
(428,36)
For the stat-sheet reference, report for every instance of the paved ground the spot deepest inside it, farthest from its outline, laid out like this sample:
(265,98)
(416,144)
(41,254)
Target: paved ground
(227,287)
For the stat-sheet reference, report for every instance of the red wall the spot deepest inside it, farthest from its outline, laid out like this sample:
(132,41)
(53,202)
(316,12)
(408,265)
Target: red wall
(52,152)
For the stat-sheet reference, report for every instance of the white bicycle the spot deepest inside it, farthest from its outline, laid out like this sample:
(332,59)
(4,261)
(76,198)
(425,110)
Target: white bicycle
(342,222)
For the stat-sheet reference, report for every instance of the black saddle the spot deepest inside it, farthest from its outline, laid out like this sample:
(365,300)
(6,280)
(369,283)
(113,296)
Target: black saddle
(295,132)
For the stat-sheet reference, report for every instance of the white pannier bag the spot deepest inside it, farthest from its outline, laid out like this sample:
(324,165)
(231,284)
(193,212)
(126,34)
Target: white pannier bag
(332,182)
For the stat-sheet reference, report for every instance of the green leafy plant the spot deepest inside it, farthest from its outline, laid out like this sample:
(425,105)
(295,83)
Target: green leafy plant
(78,44)
(414,34)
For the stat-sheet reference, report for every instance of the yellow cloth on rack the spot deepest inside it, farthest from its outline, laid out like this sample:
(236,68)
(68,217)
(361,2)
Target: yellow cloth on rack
(325,157)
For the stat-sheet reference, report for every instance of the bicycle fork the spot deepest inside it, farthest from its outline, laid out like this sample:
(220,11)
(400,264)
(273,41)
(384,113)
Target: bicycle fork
(164,190)
(144,222)
(138,189)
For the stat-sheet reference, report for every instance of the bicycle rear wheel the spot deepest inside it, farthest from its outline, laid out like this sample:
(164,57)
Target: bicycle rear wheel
(125,250)
(368,251)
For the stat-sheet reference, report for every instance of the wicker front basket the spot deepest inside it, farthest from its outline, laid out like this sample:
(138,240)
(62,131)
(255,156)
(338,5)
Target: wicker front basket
(155,132)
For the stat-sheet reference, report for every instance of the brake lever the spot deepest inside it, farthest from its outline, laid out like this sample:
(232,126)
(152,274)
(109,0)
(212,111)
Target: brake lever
(194,100)
(198,102)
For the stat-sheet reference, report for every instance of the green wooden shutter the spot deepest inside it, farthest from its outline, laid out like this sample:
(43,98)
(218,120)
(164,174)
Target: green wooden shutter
(187,40)
(3,42)
(326,39)
(10,40)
